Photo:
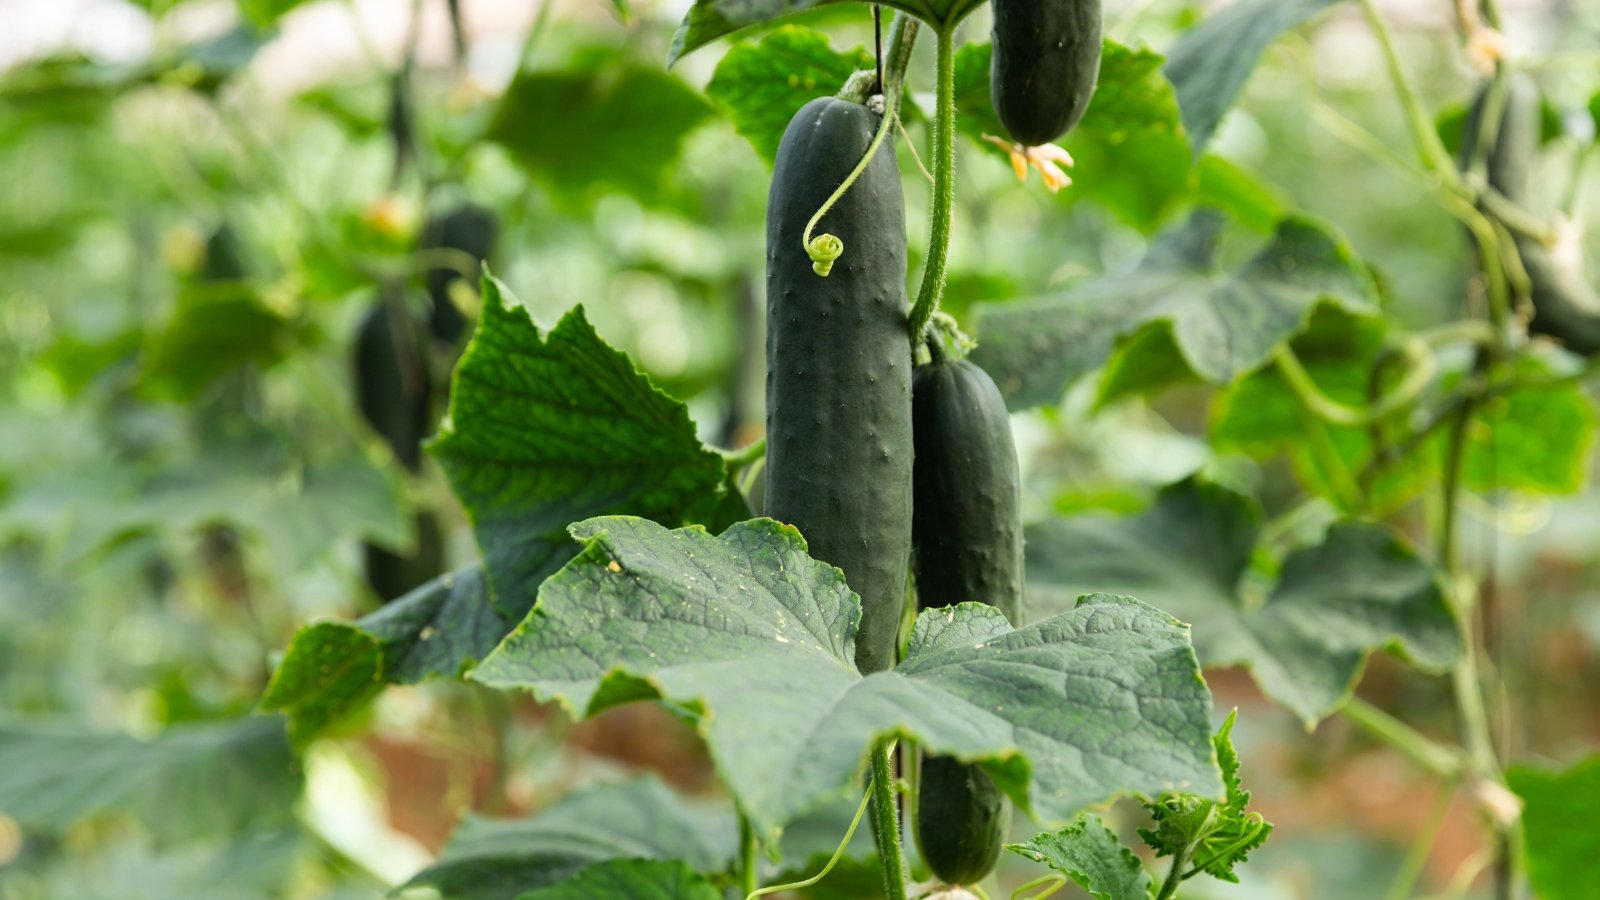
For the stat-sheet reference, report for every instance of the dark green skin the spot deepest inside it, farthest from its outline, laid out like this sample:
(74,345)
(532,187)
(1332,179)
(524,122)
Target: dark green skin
(961,820)
(1566,307)
(967,529)
(396,404)
(839,366)
(1046,61)
(471,229)
(967,540)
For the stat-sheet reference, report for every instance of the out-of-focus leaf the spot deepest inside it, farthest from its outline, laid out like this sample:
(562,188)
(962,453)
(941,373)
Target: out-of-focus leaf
(1558,819)
(636,879)
(1222,185)
(762,85)
(191,781)
(251,866)
(1223,324)
(489,859)
(615,125)
(1360,590)
(1211,63)
(214,329)
(265,12)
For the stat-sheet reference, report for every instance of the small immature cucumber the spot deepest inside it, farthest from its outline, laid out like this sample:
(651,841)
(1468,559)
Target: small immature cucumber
(967,539)
(1045,64)
(839,365)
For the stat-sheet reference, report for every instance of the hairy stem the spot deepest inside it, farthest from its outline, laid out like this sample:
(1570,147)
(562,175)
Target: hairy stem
(1430,147)
(1180,862)
(944,189)
(1419,748)
(886,822)
(749,847)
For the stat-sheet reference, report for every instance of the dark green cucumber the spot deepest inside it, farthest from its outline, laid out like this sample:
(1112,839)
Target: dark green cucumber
(393,395)
(839,365)
(472,230)
(1566,306)
(967,540)
(967,497)
(1045,64)
(961,820)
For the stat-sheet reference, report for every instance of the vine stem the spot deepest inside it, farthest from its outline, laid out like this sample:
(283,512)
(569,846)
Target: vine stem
(1424,368)
(1419,748)
(1180,860)
(744,457)
(1430,146)
(944,188)
(886,822)
(749,869)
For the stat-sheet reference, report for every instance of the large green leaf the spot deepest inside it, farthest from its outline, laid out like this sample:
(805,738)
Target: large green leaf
(1131,153)
(251,866)
(214,329)
(332,668)
(1211,63)
(1538,438)
(1558,819)
(191,781)
(1359,590)
(762,85)
(756,640)
(1087,852)
(1223,324)
(636,879)
(606,124)
(544,430)
(491,859)
(708,20)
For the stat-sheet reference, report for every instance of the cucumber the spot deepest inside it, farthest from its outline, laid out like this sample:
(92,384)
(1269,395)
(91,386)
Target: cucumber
(967,496)
(1045,64)
(472,230)
(967,540)
(1566,306)
(961,819)
(839,365)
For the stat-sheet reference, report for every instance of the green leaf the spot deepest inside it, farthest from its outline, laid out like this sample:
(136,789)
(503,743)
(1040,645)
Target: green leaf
(489,859)
(756,640)
(333,668)
(1223,324)
(1212,837)
(1088,853)
(1537,439)
(708,20)
(616,125)
(1359,590)
(1130,151)
(762,85)
(1222,185)
(191,781)
(264,12)
(544,430)
(636,879)
(1558,818)
(1210,64)
(251,866)
(214,329)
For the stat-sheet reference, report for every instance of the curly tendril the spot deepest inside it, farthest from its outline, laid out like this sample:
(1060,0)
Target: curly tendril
(825,249)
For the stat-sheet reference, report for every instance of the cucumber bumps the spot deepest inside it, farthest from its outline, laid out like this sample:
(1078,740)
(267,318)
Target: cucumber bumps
(1046,60)
(967,539)
(1565,305)
(839,365)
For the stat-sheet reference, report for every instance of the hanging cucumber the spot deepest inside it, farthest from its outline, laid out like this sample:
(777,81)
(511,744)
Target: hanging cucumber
(1045,64)
(839,364)
(1565,304)
(472,230)
(967,540)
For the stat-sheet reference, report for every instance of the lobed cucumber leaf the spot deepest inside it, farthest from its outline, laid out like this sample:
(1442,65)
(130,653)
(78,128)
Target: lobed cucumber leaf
(762,85)
(1088,853)
(755,640)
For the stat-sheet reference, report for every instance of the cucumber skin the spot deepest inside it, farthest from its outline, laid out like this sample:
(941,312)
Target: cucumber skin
(967,491)
(967,540)
(961,819)
(839,449)
(1045,64)
(1566,307)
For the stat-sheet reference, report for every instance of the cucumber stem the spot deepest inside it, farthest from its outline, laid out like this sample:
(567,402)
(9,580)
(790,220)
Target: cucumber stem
(931,291)
(886,822)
